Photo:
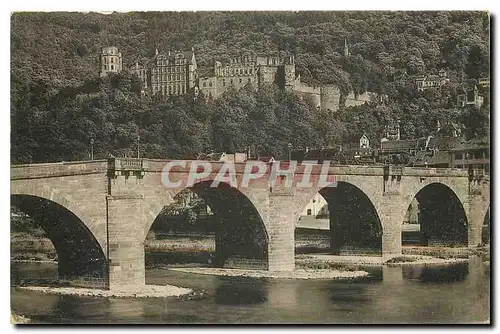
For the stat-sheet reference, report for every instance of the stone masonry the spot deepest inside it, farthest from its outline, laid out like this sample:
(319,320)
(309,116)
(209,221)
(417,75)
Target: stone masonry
(118,200)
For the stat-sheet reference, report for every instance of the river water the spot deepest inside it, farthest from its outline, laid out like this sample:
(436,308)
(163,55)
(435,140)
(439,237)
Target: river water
(457,293)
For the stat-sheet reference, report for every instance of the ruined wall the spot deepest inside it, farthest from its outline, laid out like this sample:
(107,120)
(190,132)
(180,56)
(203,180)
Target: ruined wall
(267,74)
(351,100)
(330,98)
(306,91)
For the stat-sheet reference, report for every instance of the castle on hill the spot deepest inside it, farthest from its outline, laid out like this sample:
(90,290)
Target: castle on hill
(175,73)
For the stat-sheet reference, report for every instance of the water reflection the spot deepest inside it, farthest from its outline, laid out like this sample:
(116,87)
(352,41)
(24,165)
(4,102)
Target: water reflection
(402,294)
(232,291)
(283,294)
(392,275)
(126,309)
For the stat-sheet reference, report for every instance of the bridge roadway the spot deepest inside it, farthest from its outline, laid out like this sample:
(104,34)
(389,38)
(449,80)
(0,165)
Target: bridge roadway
(117,200)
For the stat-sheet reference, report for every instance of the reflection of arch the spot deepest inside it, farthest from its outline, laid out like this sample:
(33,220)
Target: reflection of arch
(79,252)
(241,235)
(354,220)
(442,217)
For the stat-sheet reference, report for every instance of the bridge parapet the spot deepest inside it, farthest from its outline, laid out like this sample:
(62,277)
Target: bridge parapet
(157,165)
(47,170)
(436,172)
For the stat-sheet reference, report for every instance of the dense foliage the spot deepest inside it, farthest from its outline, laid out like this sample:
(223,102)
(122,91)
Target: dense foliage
(54,63)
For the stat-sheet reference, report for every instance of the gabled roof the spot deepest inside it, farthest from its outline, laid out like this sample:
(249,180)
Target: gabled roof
(171,55)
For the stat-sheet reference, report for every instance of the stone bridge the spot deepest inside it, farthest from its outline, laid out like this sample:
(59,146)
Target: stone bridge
(98,213)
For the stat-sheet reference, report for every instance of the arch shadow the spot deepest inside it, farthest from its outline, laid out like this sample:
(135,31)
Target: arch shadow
(80,256)
(241,239)
(355,227)
(442,218)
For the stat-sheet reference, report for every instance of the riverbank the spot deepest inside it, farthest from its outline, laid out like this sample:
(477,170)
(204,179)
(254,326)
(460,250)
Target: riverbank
(146,291)
(296,274)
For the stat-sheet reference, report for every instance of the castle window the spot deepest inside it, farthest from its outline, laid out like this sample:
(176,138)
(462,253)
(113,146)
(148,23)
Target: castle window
(204,84)
(240,80)
(103,67)
(223,82)
(112,67)
(170,90)
(210,84)
(249,80)
(169,77)
(250,71)
(112,60)
(178,76)
(231,80)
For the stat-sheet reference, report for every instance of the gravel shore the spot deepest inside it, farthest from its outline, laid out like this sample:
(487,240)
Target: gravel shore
(145,291)
(377,260)
(296,274)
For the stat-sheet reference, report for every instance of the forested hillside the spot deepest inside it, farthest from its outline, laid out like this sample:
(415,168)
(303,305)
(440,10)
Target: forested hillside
(54,57)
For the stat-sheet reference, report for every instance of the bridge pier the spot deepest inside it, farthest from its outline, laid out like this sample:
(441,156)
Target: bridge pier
(391,212)
(281,233)
(479,202)
(125,240)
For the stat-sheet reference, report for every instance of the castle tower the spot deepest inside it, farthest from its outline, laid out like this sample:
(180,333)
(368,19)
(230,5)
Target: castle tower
(110,61)
(346,48)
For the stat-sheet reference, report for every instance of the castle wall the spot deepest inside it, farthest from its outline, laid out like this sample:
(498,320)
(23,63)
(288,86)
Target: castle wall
(352,101)
(216,86)
(330,98)
(267,74)
(303,90)
(289,75)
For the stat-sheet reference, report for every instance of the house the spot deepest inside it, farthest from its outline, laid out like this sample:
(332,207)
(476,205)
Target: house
(432,81)
(470,96)
(473,154)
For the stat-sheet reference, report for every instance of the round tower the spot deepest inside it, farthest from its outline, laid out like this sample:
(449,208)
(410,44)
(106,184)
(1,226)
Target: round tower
(111,60)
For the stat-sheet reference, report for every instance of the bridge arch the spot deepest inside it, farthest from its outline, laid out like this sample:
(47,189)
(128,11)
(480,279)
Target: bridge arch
(30,188)
(241,237)
(354,223)
(442,215)
(80,255)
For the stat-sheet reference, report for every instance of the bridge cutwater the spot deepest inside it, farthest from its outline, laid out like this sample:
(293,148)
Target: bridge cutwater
(98,213)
